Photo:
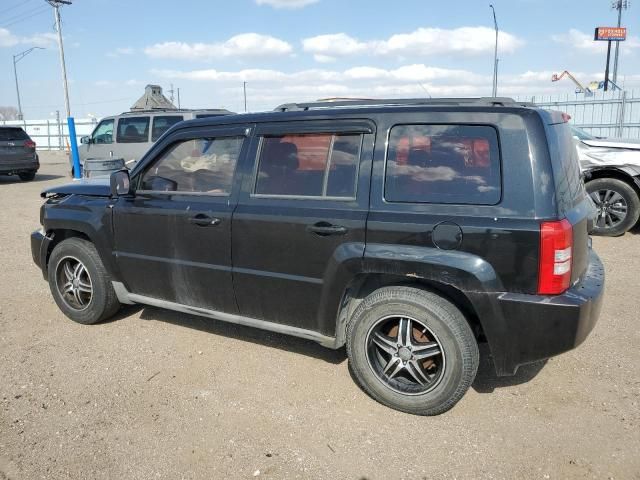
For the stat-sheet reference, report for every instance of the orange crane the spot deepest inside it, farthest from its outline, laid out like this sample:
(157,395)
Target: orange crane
(580,89)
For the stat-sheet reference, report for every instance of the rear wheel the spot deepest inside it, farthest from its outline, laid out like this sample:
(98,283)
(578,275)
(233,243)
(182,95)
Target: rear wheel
(617,203)
(412,350)
(27,176)
(79,283)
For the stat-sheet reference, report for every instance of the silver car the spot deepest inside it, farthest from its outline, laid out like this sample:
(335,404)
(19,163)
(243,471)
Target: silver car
(612,177)
(130,134)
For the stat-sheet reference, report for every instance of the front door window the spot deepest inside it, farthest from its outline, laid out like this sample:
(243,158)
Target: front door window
(103,133)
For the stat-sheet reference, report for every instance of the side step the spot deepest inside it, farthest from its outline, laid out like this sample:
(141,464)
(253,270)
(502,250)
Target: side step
(131,298)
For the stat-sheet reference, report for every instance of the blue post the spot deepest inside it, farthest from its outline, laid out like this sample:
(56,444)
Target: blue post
(74,147)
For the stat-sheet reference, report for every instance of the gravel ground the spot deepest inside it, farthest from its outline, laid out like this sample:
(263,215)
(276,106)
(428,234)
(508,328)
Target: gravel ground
(156,394)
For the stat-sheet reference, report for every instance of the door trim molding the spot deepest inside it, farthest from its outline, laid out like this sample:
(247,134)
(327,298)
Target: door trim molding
(124,296)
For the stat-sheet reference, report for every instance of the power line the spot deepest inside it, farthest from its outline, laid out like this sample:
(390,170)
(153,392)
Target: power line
(21,14)
(23,18)
(19,4)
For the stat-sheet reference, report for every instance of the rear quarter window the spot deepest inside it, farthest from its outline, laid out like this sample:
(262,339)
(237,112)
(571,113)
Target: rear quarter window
(456,164)
(566,167)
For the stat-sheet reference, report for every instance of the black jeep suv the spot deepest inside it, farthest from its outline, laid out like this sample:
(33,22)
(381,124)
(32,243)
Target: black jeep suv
(407,230)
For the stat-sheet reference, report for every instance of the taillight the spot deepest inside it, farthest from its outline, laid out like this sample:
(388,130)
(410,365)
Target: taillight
(556,244)
(29,144)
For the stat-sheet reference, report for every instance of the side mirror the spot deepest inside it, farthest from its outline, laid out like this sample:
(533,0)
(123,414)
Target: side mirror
(120,183)
(86,140)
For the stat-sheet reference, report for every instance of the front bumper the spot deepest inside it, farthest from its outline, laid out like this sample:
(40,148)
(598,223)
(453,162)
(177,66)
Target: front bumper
(538,327)
(39,249)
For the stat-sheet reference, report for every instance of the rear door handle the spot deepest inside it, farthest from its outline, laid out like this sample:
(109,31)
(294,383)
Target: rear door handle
(325,229)
(204,220)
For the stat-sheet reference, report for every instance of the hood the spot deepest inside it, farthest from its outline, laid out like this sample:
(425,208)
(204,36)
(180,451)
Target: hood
(627,143)
(99,187)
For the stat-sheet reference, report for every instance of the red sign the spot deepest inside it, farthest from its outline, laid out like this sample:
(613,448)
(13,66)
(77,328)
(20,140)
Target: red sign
(616,34)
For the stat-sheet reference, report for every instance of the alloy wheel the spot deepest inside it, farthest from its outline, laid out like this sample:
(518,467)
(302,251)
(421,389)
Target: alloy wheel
(405,355)
(74,283)
(612,208)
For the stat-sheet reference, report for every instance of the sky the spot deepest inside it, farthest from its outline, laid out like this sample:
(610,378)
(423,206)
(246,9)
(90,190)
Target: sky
(301,50)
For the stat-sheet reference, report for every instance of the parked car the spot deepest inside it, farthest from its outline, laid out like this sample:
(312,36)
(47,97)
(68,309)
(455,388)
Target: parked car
(612,171)
(409,231)
(135,132)
(18,153)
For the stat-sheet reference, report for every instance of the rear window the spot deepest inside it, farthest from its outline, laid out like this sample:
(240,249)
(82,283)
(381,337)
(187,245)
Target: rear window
(309,165)
(133,130)
(443,164)
(7,134)
(162,123)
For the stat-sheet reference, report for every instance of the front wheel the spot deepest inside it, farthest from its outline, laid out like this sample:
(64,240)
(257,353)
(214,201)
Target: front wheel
(412,350)
(617,203)
(79,283)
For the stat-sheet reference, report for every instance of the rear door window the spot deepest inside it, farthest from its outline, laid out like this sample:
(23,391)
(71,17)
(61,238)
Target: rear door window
(133,130)
(7,134)
(321,165)
(453,164)
(162,123)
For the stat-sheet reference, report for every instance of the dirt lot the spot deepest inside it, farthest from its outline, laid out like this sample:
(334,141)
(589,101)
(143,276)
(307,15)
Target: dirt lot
(155,394)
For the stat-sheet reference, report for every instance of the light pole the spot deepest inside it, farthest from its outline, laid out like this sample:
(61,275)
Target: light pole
(495,55)
(70,121)
(16,59)
(618,5)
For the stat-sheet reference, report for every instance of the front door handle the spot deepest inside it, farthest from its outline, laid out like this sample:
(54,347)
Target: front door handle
(204,220)
(325,229)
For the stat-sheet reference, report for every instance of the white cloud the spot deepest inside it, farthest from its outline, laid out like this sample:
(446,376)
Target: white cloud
(243,45)
(8,39)
(421,42)
(121,51)
(584,42)
(287,3)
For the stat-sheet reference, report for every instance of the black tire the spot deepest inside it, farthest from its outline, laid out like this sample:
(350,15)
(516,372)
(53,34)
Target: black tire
(84,308)
(27,176)
(459,356)
(608,223)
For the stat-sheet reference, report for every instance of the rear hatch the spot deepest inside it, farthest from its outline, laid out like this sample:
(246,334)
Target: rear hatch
(15,146)
(572,200)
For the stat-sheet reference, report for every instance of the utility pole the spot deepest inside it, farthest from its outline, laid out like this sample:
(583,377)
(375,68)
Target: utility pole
(171,93)
(70,122)
(16,59)
(495,55)
(618,5)
(178,98)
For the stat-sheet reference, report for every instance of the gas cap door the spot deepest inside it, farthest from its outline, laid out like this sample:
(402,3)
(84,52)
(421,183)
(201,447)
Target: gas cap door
(447,236)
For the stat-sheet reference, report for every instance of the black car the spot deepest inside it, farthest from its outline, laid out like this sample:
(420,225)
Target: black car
(17,153)
(408,230)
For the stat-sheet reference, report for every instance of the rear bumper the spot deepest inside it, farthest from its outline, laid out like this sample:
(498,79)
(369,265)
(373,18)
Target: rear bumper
(19,165)
(539,327)
(39,248)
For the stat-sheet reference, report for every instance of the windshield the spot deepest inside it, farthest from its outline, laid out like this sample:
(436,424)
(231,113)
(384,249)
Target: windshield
(581,134)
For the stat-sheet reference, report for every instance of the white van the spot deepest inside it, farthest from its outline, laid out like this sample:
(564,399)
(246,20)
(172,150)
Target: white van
(135,132)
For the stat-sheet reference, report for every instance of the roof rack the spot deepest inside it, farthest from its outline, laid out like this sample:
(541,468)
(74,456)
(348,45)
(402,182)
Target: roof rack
(174,110)
(394,102)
